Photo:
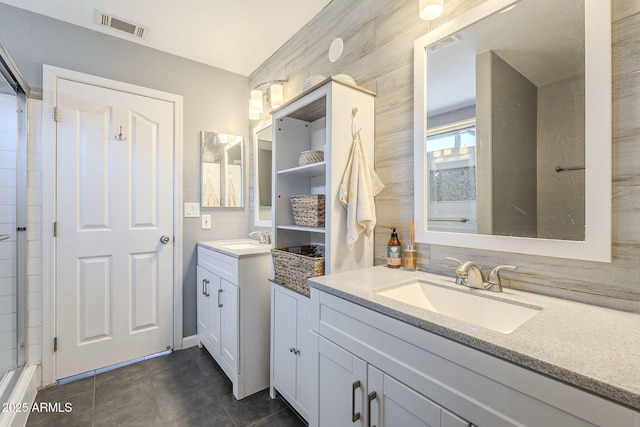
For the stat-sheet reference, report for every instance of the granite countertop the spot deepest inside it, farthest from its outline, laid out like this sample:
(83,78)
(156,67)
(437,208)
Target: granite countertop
(237,248)
(593,348)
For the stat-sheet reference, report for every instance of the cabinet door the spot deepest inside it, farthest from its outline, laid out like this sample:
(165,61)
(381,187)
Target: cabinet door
(342,385)
(303,366)
(213,335)
(228,302)
(394,404)
(284,343)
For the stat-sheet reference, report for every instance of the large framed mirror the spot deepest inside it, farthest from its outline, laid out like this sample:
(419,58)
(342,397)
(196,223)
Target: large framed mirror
(262,161)
(513,129)
(222,170)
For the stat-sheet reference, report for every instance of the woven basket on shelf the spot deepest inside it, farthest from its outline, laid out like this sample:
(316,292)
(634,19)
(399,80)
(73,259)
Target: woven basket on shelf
(293,266)
(308,210)
(310,157)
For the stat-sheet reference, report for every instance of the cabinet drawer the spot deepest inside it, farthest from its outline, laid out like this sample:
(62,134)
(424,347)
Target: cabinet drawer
(221,265)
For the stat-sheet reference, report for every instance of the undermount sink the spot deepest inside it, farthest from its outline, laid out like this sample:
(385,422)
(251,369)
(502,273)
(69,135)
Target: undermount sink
(497,315)
(240,245)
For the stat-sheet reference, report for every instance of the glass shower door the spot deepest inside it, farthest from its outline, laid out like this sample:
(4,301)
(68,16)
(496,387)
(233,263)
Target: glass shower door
(8,242)
(13,164)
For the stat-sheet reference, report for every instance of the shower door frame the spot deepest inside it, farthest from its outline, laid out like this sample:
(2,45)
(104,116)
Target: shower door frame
(12,75)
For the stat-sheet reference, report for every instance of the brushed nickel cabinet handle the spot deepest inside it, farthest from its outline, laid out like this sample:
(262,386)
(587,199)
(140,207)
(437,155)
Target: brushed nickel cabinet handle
(219,303)
(204,281)
(371,397)
(355,416)
(207,283)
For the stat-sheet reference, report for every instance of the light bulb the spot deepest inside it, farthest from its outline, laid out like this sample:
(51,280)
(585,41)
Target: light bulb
(277,95)
(256,100)
(253,113)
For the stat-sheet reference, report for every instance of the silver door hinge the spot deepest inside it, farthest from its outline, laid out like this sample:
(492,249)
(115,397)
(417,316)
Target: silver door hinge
(55,229)
(56,114)
(55,344)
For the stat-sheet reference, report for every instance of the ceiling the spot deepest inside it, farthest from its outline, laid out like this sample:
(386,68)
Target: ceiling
(235,35)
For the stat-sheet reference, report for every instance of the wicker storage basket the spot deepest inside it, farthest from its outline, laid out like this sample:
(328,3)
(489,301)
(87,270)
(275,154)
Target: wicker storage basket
(310,157)
(293,266)
(308,210)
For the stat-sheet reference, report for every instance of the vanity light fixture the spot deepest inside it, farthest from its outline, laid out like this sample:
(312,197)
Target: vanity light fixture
(430,9)
(274,95)
(277,95)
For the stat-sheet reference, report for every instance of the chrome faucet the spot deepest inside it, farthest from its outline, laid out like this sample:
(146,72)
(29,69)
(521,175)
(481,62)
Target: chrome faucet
(470,274)
(261,236)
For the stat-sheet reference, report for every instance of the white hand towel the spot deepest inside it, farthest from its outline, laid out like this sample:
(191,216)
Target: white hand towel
(360,184)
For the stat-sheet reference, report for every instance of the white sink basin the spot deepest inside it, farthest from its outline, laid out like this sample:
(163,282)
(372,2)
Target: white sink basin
(499,316)
(237,246)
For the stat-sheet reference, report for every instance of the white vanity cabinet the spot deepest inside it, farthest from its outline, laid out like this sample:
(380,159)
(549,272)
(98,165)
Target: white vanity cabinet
(354,391)
(233,315)
(290,364)
(420,378)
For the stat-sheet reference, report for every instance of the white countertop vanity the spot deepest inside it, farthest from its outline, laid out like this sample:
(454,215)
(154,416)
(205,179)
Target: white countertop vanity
(233,310)
(564,363)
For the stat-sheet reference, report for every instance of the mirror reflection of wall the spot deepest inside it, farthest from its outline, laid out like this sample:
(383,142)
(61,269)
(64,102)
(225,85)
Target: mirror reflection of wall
(523,86)
(221,170)
(263,148)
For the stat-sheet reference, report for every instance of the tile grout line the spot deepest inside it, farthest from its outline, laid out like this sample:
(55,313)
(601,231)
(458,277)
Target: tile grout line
(216,394)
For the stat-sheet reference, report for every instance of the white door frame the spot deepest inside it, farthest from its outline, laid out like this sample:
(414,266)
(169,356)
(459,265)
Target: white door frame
(50,77)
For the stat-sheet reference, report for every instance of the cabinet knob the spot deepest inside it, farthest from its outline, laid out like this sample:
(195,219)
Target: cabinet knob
(165,239)
(292,350)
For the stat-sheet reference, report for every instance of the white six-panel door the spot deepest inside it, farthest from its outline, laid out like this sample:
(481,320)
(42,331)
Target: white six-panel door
(114,295)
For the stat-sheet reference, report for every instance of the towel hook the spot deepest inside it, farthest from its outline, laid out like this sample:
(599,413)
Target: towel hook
(120,136)
(354,122)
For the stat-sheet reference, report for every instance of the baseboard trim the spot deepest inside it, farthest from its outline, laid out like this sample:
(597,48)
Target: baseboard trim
(191,341)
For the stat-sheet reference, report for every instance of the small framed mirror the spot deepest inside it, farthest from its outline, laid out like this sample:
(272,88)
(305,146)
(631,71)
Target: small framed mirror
(262,161)
(222,170)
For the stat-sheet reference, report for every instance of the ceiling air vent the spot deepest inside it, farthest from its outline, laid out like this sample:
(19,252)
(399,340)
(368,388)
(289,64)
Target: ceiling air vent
(444,43)
(119,24)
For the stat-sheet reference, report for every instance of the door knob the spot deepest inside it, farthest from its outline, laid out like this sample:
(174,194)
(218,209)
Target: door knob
(165,239)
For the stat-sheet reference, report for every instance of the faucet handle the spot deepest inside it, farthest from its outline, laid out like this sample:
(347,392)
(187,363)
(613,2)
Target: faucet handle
(459,279)
(493,283)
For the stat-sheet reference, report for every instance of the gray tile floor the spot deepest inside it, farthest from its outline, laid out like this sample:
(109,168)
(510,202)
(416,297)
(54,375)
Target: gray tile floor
(185,388)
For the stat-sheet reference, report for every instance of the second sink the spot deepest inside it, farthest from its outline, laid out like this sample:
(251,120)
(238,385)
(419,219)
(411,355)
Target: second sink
(497,315)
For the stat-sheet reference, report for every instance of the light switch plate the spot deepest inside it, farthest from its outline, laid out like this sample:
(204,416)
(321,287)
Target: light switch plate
(191,210)
(206,222)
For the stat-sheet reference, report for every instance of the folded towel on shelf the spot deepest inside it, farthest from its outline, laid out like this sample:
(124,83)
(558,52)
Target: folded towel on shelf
(360,184)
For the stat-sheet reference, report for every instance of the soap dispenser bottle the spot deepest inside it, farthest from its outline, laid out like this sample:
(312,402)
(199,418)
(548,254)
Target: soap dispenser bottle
(394,251)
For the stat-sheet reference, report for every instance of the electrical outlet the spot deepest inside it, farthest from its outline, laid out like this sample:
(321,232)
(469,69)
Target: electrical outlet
(206,222)
(191,210)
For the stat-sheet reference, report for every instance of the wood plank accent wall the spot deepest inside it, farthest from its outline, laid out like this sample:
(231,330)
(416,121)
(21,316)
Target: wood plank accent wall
(378,37)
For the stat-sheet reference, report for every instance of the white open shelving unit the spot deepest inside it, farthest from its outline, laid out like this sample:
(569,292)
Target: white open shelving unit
(320,119)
